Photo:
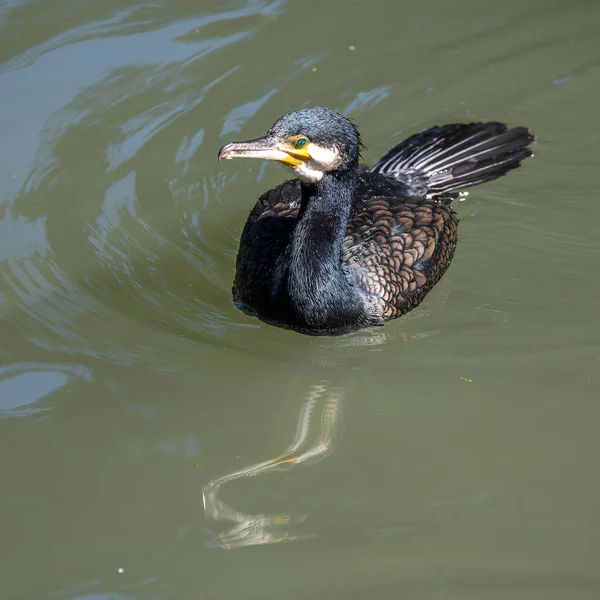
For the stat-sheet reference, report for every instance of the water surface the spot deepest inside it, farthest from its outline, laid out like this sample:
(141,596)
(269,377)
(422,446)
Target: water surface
(451,454)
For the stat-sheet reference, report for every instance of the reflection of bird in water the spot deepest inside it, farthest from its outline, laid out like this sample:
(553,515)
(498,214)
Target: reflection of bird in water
(348,247)
(254,529)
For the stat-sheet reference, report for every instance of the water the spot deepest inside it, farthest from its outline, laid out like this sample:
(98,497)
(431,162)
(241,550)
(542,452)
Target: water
(451,454)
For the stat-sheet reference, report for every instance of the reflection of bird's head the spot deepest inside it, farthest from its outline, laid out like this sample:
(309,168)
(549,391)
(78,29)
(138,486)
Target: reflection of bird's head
(310,141)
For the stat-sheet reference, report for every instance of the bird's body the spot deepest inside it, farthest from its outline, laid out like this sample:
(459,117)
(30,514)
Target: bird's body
(349,247)
(386,255)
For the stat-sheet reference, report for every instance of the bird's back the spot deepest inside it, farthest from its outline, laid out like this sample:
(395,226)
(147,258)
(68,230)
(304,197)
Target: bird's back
(396,248)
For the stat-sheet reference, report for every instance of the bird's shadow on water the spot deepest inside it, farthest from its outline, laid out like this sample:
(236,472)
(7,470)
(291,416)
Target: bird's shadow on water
(318,431)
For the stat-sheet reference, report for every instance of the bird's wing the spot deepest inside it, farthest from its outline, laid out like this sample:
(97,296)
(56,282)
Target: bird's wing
(398,250)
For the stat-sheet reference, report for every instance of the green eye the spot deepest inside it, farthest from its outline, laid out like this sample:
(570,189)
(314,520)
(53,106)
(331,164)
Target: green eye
(300,142)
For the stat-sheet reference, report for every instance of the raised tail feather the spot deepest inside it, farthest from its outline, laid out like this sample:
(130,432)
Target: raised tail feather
(457,156)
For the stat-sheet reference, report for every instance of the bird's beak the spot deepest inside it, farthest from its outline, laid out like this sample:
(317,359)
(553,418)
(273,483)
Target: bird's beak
(266,148)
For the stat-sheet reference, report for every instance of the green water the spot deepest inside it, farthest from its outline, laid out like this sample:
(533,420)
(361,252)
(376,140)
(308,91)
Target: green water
(449,455)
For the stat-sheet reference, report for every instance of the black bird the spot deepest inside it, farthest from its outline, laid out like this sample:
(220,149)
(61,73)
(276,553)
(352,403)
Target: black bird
(344,246)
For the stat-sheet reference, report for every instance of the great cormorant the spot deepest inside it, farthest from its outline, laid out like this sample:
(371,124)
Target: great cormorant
(343,246)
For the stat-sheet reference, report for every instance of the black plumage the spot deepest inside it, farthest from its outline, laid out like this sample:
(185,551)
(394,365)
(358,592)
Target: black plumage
(348,247)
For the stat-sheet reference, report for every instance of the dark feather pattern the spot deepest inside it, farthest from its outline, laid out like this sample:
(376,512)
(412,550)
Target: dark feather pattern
(457,156)
(361,246)
(398,249)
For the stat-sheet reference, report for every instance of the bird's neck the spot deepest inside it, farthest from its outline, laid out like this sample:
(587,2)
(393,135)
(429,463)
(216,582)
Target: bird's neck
(315,280)
(323,216)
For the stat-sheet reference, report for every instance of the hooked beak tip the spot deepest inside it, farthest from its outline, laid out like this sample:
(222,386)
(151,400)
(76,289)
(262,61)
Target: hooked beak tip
(225,153)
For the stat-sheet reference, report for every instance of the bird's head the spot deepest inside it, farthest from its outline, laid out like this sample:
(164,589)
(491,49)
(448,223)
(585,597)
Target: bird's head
(310,141)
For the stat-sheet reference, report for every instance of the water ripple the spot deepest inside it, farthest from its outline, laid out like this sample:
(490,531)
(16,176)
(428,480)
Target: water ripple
(23,386)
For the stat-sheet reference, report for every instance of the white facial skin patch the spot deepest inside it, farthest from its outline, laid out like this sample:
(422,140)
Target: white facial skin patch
(327,157)
(321,160)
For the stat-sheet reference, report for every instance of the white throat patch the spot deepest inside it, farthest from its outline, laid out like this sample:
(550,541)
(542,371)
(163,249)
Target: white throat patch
(321,160)
(308,172)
